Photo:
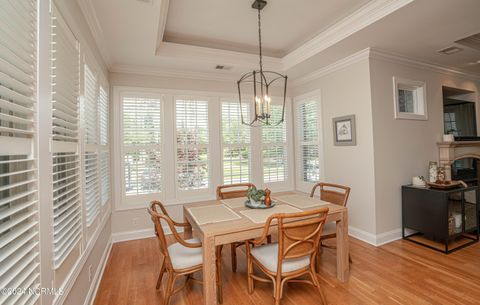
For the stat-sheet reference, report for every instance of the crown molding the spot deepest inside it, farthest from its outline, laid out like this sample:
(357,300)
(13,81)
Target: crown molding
(162,22)
(160,72)
(380,54)
(216,56)
(340,64)
(90,16)
(360,19)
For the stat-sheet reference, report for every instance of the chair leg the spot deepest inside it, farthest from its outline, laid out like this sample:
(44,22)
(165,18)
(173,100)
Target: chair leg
(315,281)
(277,290)
(233,250)
(169,290)
(219,275)
(160,276)
(251,285)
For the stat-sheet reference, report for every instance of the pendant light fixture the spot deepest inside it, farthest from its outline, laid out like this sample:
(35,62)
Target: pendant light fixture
(260,82)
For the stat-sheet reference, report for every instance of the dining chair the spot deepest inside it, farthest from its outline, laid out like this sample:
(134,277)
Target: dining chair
(293,256)
(336,194)
(231,191)
(182,258)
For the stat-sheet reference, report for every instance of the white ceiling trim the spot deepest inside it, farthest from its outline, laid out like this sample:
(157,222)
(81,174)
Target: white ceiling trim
(164,4)
(380,54)
(360,19)
(340,64)
(216,56)
(152,71)
(91,17)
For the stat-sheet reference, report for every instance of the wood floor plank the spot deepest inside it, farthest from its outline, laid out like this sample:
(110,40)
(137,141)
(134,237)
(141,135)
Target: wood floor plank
(397,273)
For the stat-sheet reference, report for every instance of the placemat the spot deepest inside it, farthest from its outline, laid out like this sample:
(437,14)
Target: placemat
(213,214)
(235,202)
(261,215)
(301,201)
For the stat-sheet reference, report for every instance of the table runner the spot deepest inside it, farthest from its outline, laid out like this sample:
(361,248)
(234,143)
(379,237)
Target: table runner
(213,214)
(261,215)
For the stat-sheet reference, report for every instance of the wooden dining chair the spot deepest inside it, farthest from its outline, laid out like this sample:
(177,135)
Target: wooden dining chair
(182,258)
(293,256)
(336,194)
(231,191)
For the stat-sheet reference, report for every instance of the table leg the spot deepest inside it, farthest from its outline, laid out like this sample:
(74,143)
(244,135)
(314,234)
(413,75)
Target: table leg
(187,231)
(209,271)
(343,266)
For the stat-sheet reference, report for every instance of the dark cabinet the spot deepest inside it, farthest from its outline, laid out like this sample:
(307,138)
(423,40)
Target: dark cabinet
(444,220)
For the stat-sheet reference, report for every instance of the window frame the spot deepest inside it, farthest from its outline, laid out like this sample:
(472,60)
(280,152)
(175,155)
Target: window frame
(419,89)
(302,185)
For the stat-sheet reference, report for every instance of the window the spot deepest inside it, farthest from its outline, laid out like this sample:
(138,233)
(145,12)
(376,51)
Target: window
(410,99)
(308,142)
(274,149)
(192,144)
(142,151)
(103,140)
(19,252)
(236,143)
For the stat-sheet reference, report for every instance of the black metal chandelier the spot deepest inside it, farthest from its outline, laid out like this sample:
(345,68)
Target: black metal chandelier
(261,81)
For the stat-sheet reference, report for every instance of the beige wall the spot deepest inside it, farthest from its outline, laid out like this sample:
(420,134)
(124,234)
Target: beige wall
(344,92)
(403,148)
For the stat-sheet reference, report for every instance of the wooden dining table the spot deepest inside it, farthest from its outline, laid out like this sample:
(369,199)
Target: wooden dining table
(243,228)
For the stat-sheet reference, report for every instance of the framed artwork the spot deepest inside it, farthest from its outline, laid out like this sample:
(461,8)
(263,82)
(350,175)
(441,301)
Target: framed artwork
(344,133)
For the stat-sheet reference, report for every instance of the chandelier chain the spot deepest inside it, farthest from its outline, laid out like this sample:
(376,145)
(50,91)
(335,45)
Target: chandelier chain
(260,40)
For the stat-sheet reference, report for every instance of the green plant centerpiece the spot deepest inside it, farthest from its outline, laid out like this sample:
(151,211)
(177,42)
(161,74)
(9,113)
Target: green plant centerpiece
(258,198)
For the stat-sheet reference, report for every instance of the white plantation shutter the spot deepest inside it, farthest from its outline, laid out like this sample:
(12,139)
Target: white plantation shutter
(103,115)
(192,144)
(104,176)
(274,141)
(104,154)
(308,141)
(67,225)
(19,261)
(90,106)
(236,143)
(92,195)
(141,121)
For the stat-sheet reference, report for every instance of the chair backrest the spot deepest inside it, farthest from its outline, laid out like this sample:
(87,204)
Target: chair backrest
(334,193)
(236,190)
(299,233)
(157,217)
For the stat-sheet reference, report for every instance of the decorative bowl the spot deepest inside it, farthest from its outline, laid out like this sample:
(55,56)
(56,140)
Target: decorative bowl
(258,204)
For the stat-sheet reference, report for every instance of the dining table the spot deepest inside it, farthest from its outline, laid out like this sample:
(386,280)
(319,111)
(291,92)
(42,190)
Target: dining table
(221,222)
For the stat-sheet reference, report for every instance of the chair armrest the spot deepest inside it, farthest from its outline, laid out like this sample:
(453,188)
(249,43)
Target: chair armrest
(266,230)
(177,236)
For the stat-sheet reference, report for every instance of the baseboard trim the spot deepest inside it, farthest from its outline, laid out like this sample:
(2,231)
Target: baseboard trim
(388,237)
(139,234)
(92,291)
(375,240)
(362,235)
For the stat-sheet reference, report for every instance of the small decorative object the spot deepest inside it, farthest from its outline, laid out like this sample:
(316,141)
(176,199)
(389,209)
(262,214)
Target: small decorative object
(419,181)
(344,131)
(432,172)
(448,138)
(451,225)
(257,199)
(441,175)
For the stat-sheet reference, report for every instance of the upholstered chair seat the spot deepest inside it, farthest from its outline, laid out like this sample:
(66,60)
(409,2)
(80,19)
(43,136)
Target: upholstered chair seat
(267,255)
(184,257)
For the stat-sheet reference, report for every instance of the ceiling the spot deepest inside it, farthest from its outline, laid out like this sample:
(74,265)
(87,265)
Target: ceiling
(188,37)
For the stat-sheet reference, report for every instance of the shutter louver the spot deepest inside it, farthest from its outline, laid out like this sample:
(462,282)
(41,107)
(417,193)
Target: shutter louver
(90,106)
(92,196)
(307,118)
(103,115)
(274,139)
(192,144)
(19,253)
(142,145)
(105,176)
(67,225)
(236,143)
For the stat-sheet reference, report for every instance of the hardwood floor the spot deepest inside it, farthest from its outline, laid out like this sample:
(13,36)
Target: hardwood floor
(397,273)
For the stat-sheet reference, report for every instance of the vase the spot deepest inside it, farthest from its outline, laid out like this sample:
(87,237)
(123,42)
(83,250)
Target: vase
(432,172)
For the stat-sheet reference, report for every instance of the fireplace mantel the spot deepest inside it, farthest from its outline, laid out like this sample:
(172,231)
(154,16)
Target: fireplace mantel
(448,152)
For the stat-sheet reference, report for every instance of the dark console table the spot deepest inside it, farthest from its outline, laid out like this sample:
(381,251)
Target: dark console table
(449,218)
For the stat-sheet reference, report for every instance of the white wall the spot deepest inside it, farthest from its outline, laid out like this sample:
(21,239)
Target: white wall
(403,148)
(344,92)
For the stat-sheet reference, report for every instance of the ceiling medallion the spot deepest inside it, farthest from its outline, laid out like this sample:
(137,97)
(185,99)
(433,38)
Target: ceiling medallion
(259,81)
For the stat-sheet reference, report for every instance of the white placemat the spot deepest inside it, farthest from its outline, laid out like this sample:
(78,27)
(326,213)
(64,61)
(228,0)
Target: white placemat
(213,214)
(301,201)
(235,202)
(261,215)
